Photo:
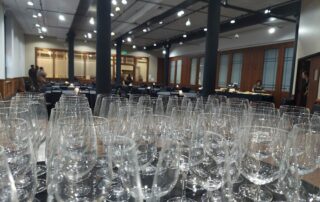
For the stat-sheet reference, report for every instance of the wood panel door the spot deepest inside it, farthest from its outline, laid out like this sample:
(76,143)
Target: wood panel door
(313,81)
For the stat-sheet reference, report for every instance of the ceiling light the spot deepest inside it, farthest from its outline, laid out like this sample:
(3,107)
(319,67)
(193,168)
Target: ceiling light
(34,16)
(130,32)
(117,9)
(145,48)
(148,29)
(161,22)
(188,23)
(123,41)
(37,25)
(112,34)
(267,11)
(129,39)
(181,43)
(41,37)
(85,36)
(164,52)
(39,31)
(144,30)
(39,14)
(205,29)
(114,2)
(115,44)
(154,44)
(134,46)
(62,18)
(180,13)
(272,19)
(44,29)
(95,31)
(30,3)
(91,21)
(236,36)
(89,35)
(272,30)
(184,36)
(111,14)
(124,2)
(232,21)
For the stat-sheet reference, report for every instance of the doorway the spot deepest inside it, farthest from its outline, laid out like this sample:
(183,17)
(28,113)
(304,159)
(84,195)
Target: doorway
(303,66)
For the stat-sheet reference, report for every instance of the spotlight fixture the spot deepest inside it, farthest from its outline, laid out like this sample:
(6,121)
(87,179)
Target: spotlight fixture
(124,2)
(95,31)
(188,23)
(111,14)
(130,32)
(114,2)
(91,21)
(115,44)
(41,37)
(37,25)
(39,31)
(161,22)
(232,21)
(271,19)
(184,36)
(134,46)
(117,9)
(112,34)
(180,13)
(129,39)
(39,14)
(236,36)
(89,35)
(272,30)
(123,41)
(85,36)
(30,3)
(44,29)
(145,48)
(62,18)
(144,30)
(267,11)
(205,29)
(154,44)
(34,16)
(164,52)
(180,42)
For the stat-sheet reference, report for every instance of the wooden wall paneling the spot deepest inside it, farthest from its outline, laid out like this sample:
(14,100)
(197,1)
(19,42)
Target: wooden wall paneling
(185,71)
(278,86)
(160,71)
(313,81)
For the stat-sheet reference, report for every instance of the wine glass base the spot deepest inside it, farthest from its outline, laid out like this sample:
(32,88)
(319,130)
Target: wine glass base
(115,192)
(275,187)
(41,185)
(255,193)
(41,170)
(181,199)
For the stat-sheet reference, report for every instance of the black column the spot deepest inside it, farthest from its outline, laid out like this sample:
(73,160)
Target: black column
(118,62)
(212,42)
(71,35)
(166,65)
(103,47)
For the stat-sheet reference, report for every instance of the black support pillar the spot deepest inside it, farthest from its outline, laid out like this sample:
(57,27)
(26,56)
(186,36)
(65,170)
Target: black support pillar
(212,42)
(118,62)
(103,47)
(166,65)
(71,35)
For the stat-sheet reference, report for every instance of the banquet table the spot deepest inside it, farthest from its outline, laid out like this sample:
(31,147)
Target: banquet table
(250,96)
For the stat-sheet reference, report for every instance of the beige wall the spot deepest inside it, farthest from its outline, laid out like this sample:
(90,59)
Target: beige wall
(2,63)
(33,42)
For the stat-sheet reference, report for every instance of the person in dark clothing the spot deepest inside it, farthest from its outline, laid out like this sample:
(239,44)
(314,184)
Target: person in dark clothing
(33,76)
(128,80)
(305,88)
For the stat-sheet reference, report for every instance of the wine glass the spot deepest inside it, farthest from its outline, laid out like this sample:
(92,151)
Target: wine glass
(262,160)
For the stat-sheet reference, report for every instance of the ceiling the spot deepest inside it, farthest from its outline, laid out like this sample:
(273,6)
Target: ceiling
(131,15)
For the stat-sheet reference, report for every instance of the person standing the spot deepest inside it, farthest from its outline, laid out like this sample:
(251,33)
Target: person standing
(33,76)
(305,88)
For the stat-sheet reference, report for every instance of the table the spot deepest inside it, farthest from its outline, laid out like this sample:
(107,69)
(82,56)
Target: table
(251,97)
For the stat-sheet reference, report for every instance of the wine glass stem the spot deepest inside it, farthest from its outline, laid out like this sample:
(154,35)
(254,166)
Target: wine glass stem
(183,183)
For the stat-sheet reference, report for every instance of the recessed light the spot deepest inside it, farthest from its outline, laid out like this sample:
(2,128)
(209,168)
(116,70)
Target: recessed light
(37,25)
(272,30)
(91,21)
(161,22)
(267,11)
(144,48)
(34,16)
(188,23)
(154,44)
(130,32)
(114,2)
(134,46)
(184,36)
(144,30)
(95,31)
(85,36)
(232,21)
(123,41)
(205,29)
(115,44)
(44,29)
(164,52)
(271,19)
(129,39)
(236,36)
(62,18)
(112,34)
(111,14)
(41,37)
(117,9)
(124,2)
(181,43)
(39,14)
(89,35)
(30,3)
(180,13)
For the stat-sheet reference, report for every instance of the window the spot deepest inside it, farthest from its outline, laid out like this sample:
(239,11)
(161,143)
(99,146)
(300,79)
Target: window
(175,71)
(201,70)
(193,74)
(287,72)
(270,69)
(236,68)
(223,71)
(179,67)
(172,71)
